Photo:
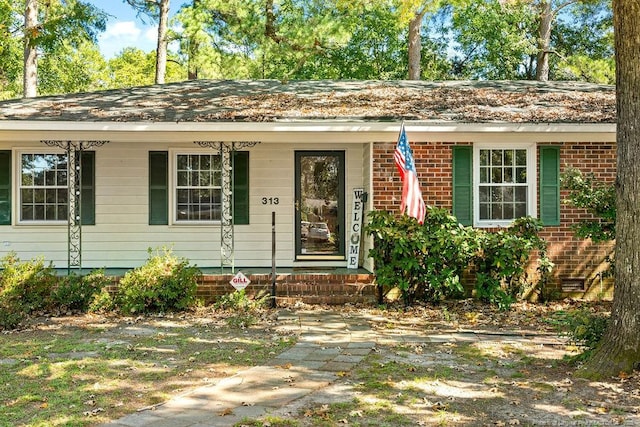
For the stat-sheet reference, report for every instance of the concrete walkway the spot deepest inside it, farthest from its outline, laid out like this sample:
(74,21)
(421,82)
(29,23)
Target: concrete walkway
(330,344)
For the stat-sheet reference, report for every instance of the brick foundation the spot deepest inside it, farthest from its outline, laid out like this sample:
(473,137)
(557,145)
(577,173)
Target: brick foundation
(310,288)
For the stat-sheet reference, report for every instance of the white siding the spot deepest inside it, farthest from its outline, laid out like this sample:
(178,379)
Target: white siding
(121,236)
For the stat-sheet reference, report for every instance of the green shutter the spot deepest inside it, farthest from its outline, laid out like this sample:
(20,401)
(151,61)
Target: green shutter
(241,187)
(5,187)
(158,188)
(550,185)
(463,184)
(88,188)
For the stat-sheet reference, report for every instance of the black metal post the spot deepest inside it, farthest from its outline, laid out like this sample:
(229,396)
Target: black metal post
(273,260)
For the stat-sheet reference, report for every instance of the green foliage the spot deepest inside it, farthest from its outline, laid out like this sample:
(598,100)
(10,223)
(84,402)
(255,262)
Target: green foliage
(102,302)
(239,300)
(497,39)
(587,328)
(164,283)
(25,287)
(78,292)
(423,261)
(502,260)
(426,261)
(598,198)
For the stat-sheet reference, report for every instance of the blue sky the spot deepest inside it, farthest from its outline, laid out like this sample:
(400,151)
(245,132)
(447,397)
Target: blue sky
(124,29)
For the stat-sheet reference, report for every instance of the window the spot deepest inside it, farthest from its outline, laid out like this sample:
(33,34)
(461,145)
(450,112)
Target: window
(503,184)
(493,184)
(198,190)
(44,188)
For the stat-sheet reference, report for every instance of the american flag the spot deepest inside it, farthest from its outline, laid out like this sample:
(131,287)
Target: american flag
(412,201)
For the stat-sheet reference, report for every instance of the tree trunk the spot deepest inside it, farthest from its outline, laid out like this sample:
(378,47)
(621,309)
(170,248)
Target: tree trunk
(30,75)
(161,51)
(544,40)
(620,348)
(415,45)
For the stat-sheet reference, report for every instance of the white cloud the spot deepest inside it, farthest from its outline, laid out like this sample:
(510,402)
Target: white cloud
(122,34)
(122,30)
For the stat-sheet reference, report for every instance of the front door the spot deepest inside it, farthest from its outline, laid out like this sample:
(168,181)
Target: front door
(319,205)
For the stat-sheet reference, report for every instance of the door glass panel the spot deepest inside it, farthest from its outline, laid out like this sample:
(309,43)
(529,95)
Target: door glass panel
(319,201)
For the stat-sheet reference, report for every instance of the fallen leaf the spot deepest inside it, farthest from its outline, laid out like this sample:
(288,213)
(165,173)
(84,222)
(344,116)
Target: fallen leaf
(225,412)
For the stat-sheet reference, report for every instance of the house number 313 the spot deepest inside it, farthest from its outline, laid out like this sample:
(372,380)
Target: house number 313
(270,201)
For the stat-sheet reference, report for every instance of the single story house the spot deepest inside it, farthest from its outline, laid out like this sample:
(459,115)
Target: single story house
(216,169)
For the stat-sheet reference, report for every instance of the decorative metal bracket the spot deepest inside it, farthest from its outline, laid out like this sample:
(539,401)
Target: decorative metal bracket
(225,150)
(74,151)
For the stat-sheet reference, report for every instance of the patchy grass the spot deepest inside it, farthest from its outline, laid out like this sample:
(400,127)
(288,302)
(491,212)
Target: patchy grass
(86,370)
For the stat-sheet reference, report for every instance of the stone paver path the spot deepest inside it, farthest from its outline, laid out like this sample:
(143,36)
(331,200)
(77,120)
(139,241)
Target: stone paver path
(328,345)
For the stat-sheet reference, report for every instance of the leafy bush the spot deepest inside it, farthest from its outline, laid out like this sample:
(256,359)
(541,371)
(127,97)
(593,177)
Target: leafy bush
(25,287)
(502,260)
(423,261)
(77,292)
(101,302)
(599,199)
(239,300)
(586,328)
(164,283)
(426,261)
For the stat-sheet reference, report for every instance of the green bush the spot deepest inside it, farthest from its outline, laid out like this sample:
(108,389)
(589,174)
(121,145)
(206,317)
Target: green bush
(25,287)
(424,261)
(102,302)
(165,283)
(427,261)
(502,260)
(239,300)
(77,292)
(586,328)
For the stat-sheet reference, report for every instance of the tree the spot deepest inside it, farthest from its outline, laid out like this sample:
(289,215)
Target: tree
(158,10)
(11,51)
(417,11)
(50,25)
(31,31)
(533,39)
(619,350)
(268,38)
(549,10)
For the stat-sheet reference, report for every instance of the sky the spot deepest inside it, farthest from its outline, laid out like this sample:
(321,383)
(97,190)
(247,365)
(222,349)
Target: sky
(124,29)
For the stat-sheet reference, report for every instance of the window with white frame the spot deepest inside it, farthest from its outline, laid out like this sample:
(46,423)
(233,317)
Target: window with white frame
(198,187)
(505,183)
(43,187)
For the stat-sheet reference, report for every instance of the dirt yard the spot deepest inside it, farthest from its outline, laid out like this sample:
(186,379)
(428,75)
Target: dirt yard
(461,363)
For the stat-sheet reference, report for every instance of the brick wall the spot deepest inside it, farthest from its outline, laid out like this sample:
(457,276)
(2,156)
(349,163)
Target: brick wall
(576,260)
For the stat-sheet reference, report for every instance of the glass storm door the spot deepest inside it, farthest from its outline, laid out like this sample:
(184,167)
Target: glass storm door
(319,204)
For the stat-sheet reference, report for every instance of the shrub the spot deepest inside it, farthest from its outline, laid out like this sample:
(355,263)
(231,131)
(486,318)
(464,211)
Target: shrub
(239,300)
(77,292)
(586,328)
(423,261)
(164,283)
(502,260)
(25,287)
(426,261)
(101,302)
(599,200)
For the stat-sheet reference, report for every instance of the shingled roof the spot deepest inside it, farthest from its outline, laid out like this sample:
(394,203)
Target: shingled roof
(271,101)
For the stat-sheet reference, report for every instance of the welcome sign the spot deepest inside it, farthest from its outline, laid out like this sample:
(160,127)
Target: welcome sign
(355,231)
